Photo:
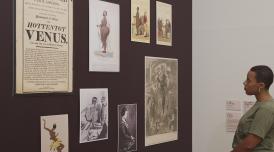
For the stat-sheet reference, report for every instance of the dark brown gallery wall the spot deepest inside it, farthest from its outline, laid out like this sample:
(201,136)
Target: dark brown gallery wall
(20,114)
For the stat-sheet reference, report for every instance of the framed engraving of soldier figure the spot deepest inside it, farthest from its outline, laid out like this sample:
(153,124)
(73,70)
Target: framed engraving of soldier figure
(161,100)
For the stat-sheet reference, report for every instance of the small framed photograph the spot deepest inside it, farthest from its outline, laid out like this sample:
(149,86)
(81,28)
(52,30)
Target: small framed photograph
(127,127)
(93,115)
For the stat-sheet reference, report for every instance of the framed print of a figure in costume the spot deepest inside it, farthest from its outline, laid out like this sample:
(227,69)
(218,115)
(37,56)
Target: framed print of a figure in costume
(164,23)
(54,133)
(140,21)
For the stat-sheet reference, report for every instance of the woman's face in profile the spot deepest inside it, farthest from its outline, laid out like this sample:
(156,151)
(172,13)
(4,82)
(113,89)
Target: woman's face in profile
(251,86)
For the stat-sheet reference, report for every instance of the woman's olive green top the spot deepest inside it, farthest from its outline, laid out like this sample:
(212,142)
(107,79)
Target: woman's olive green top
(258,120)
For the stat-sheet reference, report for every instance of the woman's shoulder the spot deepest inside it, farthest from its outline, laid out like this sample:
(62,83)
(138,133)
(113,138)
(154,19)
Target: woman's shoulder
(269,105)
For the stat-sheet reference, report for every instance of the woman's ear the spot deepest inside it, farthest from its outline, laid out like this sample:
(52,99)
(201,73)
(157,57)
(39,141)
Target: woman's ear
(261,85)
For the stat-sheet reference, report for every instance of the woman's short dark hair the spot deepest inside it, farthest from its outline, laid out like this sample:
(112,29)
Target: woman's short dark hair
(263,74)
(123,111)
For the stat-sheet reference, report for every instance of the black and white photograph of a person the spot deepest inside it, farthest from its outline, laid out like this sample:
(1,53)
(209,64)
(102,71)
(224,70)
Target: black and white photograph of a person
(104,36)
(93,115)
(161,100)
(127,129)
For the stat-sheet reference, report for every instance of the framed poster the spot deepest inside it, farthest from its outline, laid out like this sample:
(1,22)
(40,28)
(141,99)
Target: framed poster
(161,100)
(93,115)
(44,43)
(54,133)
(140,21)
(163,23)
(127,127)
(104,36)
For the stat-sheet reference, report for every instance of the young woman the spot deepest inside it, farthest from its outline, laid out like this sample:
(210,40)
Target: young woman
(255,131)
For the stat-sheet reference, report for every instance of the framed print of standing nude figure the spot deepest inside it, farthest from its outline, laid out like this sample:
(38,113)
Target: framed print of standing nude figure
(104,36)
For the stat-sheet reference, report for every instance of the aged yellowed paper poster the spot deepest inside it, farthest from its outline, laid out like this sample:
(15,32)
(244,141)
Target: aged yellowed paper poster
(44,43)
